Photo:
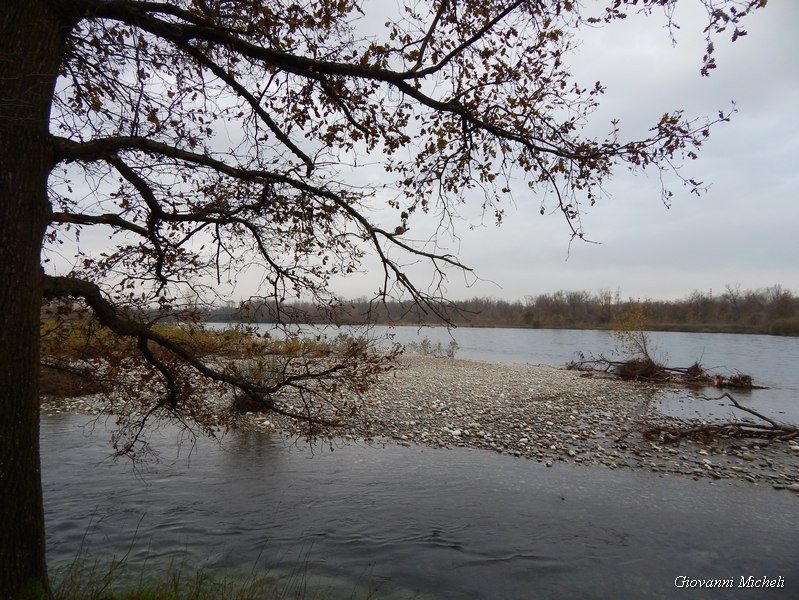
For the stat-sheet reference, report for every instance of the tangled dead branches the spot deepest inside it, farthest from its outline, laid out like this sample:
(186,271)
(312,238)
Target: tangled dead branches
(768,428)
(648,370)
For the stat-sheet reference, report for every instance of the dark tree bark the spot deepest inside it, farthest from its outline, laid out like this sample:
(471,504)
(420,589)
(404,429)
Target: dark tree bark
(32,37)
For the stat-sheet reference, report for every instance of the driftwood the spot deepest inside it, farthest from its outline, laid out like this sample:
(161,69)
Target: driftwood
(768,429)
(644,369)
(647,370)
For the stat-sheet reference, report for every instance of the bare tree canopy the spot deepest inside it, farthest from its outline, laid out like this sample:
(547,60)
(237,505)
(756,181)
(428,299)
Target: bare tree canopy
(202,139)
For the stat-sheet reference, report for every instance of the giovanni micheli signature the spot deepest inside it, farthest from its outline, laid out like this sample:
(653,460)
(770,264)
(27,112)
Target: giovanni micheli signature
(740,581)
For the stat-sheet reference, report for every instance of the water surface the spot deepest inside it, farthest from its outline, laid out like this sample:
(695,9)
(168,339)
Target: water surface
(393,522)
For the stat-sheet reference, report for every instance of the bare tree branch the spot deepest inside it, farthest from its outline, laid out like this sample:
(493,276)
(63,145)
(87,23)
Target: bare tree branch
(105,219)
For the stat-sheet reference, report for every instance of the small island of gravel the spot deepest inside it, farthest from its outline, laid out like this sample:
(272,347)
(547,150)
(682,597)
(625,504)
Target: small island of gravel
(544,413)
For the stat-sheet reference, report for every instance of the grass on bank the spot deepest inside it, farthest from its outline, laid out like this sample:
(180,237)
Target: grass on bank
(85,339)
(201,587)
(84,581)
(143,574)
(786,326)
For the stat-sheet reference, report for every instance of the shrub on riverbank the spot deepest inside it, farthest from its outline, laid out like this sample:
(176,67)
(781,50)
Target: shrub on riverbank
(786,326)
(85,339)
(428,348)
(80,357)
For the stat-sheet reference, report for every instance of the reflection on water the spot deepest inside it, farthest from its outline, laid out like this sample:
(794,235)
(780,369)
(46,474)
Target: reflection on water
(412,522)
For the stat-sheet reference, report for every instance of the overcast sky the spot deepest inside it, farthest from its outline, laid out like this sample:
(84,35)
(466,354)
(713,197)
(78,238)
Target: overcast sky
(741,232)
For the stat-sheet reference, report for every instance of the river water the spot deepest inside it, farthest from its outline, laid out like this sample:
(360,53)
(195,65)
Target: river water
(391,522)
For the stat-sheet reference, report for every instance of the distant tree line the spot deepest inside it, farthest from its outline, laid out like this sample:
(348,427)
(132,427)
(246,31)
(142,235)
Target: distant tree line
(772,310)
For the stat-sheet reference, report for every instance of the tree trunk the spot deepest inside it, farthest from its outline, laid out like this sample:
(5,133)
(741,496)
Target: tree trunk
(32,41)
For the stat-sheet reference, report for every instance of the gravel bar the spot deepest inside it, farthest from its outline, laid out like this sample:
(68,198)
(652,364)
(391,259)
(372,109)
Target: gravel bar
(547,414)
(536,412)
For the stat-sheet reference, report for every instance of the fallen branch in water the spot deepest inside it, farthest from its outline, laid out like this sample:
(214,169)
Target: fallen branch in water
(634,342)
(769,429)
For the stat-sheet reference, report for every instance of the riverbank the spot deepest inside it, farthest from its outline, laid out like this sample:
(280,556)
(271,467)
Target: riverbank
(536,412)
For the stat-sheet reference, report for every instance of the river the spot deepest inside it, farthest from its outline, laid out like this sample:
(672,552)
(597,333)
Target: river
(391,522)
(771,360)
